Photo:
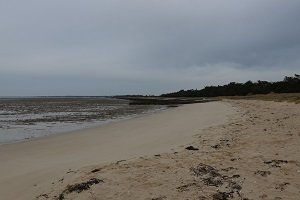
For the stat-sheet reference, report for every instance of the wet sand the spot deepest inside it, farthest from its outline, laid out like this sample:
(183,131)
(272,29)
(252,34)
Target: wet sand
(33,168)
(254,155)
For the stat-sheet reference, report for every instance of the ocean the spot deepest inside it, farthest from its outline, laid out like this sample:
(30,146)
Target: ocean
(32,117)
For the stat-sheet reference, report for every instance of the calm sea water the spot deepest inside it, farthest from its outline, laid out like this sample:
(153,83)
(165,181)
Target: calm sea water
(26,118)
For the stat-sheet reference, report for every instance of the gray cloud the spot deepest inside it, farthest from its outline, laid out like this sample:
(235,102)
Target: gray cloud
(111,47)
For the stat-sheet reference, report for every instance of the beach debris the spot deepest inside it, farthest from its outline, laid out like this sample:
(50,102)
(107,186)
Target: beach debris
(186,187)
(83,186)
(43,196)
(263,173)
(236,176)
(221,196)
(210,176)
(234,159)
(223,142)
(157,155)
(263,196)
(228,169)
(213,181)
(119,161)
(61,196)
(159,198)
(276,163)
(205,170)
(70,171)
(217,146)
(202,198)
(79,187)
(282,186)
(234,186)
(191,148)
(95,170)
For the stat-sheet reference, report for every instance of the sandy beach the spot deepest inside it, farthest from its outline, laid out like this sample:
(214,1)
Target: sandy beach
(252,155)
(28,169)
(237,149)
(150,100)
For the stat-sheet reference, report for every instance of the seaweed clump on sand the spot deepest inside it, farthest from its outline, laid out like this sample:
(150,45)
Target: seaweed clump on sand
(227,186)
(191,148)
(276,163)
(221,196)
(79,187)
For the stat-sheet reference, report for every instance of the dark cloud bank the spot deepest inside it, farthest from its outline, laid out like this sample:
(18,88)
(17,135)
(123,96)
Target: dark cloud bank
(64,47)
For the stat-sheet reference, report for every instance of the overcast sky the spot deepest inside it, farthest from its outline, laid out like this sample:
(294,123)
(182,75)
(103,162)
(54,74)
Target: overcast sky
(97,47)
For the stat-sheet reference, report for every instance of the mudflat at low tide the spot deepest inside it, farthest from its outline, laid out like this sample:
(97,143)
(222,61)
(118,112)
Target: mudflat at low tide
(27,118)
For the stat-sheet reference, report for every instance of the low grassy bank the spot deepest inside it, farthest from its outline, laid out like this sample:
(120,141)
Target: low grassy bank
(288,97)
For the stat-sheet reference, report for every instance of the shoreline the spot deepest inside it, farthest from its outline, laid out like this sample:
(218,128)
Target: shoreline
(93,124)
(29,165)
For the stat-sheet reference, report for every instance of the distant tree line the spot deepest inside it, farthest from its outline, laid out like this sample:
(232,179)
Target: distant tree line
(288,85)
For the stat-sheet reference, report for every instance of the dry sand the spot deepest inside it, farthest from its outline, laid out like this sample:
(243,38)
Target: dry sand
(255,155)
(36,169)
